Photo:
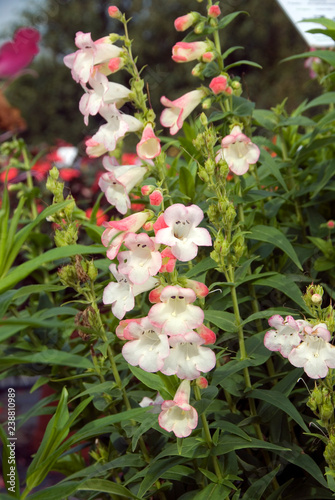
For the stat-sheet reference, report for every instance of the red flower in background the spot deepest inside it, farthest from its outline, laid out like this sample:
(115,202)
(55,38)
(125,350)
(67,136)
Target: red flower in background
(18,53)
(100,216)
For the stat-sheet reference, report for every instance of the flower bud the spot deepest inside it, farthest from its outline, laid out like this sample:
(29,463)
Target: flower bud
(199,28)
(147,189)
(201,382)
(156,198)
(184,22)
(330,224)
(316,298)
(207,103)
(114,12)
(148,226)
(92,271)
(208,57)
(115,64)
(214,11)
(203,119)
(198,69)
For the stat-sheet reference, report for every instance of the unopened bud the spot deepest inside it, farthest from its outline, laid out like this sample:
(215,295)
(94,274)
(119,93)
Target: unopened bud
(156,198)
(331,224)
(203,119)
(207,103)
(184,22)
(208,57)
(316,298)
(201,382)
(214,11)
(114,12)
(92,271)
(199,28)
(147,189)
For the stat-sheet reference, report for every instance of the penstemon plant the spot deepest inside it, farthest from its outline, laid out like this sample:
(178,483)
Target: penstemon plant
(163,360)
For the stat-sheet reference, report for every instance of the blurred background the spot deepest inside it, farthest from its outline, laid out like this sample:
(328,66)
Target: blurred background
(47,97)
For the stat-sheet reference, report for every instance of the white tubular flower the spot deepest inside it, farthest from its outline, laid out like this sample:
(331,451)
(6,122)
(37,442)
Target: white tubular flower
(181,232)
(147,348)
(178,415)
(238,151)
(175,314)
(187,359)
(90,53)
(286,335)
(315,355)
(177,111)
(142,260)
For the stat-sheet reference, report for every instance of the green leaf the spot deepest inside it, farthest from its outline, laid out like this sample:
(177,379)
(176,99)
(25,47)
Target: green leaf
(213,492)
(276,398)
(243,61)
(231,443)
(230,428)
(153,472)
(222,319)
(201,267)
(186,183)
(326,55)
(96,389)
(256,490)
(297,457)
(269,234)
(48,356)
(229,18)
(104,486)
(151,380)
(286,286)
(61,490)
(24,270)
(327,23)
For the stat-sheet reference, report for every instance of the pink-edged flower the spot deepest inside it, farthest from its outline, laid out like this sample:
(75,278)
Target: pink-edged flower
(154,404)
(118,124)
(182,233)
(102,92)
(187,359)
(219,84)
(18,53)
(149,146)
(238,151)
(156,198)
(118,183)
(185,52)
(116,231)
(315,354)
(142,260)
(176,314)
(90,53)
(178,110)
(182,23)
(214,11)
(121,331)
(286,335)
(178,415)
(319,330)
(147,347)
(122,292)
(168,261)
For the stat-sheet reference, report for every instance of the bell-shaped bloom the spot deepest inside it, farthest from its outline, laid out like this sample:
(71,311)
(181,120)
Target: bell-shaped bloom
(285,336)
(122,292)
(182,233)
(238,151)
(147,347)
(149,146)
(178,415)
(121,329)
(176,314)
(18,53)
(116,185)
(178,110)
(142,260)
(118,124)
(116,231)
(187,359)
(90,53)
(101,92)
(319,330)
(189,51)
(315,355)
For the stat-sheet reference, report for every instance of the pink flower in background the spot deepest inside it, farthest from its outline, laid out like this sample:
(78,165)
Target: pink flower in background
(149,146)
(17,54)
(90,53)
(185,52)
(178,110)
(182,233)
(116,231)
(285,336)
(178,415)
(238,151)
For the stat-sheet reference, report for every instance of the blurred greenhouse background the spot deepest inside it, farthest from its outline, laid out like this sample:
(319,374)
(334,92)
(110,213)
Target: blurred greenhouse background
(48,97)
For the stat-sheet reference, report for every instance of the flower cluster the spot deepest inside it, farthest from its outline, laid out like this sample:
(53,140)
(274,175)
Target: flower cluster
(172,336)
(306,346)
